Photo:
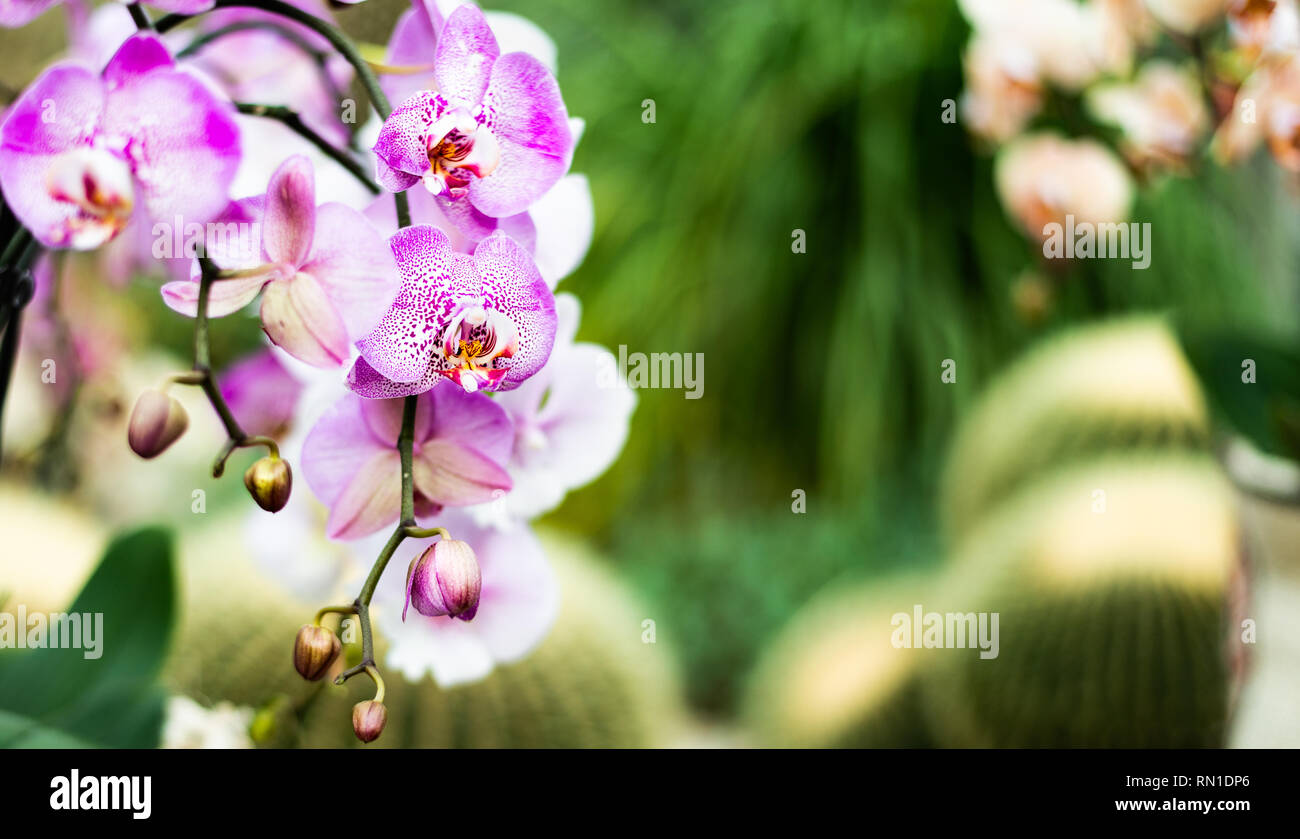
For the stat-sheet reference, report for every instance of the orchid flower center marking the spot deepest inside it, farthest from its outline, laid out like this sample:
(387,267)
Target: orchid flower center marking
(459,150)
(98,184)
(477,348)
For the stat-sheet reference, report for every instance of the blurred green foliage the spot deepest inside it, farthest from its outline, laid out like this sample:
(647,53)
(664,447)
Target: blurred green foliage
(58,698)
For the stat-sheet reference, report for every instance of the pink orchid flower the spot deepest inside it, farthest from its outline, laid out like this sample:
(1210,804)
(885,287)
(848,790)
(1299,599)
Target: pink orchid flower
(351,463)
(571,421)
(484,322)
(495,132)
(79,151)
(325,274)
(517,606)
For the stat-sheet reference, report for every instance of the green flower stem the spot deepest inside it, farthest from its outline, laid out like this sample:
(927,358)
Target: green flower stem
(336,39)
(348,609)
(404,528)
(405,440)
(140,16)
(236,437)
(293,120)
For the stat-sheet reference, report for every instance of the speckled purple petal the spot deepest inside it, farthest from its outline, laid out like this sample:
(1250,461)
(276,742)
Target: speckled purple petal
(364,381)
(467,50)
(59,112)
(523,104)
(402,344)
(511,278)
(402,146)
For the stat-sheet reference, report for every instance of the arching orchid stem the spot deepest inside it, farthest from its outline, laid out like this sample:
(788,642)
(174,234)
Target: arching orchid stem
(347,609)
(373,673)
(201,376)
(405,447)
(291,118)
(426,532)
(140,16)
(406,527)
(16,290)
(337,40)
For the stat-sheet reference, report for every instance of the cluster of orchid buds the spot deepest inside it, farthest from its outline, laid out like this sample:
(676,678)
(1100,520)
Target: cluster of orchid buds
(1147,88)
(426,309)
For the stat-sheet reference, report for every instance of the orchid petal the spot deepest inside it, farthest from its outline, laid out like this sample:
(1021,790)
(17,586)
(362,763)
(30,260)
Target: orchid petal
(290,223)
(402,344)
(466,52)
(138,55)
(452,474)
(224,298)
(298,316)
(513,280)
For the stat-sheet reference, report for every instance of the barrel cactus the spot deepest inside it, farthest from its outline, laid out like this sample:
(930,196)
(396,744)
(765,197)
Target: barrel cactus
(1121,385)
(592,682)
(1109,580)
(834,678)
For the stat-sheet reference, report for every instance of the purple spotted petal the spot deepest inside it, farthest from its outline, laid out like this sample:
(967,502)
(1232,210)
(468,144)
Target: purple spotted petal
(364,381)
(402,147)
(401,346)
(524,104)
(526,114)
(510,276)
(58,113)
(467,50)
(290,222)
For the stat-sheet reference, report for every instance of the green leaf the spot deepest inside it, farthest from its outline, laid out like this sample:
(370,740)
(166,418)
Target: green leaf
(1266,410)
(112,700)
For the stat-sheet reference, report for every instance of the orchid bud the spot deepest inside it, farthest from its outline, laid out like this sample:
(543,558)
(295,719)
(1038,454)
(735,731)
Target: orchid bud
(444,580)
(314,651)
(156,422)
(368,719)
(269,481)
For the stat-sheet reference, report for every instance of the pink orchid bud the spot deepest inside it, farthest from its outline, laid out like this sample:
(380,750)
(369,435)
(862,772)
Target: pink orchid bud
(444,580)
(314,651)
(156,422)
(269,481)
(368,720)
